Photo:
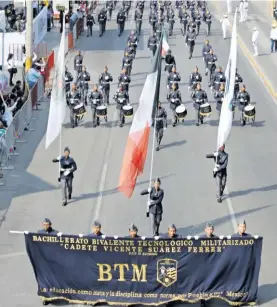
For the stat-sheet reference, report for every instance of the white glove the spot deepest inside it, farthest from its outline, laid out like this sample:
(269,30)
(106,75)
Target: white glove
(215,154)
(164,128)
(149,190)
(66,173)
(217,165)
(149,203)
(59,158)
(215,169)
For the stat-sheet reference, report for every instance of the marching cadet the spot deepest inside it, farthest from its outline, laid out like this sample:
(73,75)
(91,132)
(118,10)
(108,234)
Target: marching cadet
(47,227)
(133,232)
(96,230)
(241,230)
(67,167)
(124,80)
(83,80)
(194,78)
(207,17)
(90,23)
(220,171)
(218,79)
(159,28)
(104,81)
(131,50)
(122,99)
(68,79)
(126,7)
(78,63)
(138,21)
(171,20)
(169,62)
(244,99)
(209,231)
(183,15)
(175,99)
(190,40)
(173,78)
(219,96)
(211,59)
(199,97)
(153,20)
(72,98)
(102,19)
(152,43)
(127,63)
(161,124)
(172,233)
(205,52)
(197,20)
(120,20)
(96,99)
(238,80)
(155,207)
(140,6)
(133,39)
(109,7)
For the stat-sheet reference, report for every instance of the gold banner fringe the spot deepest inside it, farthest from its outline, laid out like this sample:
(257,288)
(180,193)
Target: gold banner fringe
(146,304)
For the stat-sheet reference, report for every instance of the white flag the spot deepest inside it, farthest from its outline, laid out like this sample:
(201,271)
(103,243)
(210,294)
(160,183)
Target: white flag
(58,100)
(226,116)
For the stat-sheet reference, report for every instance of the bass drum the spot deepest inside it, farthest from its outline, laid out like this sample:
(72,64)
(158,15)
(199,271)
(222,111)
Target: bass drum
(205,110)
(101,111)
(181,111)
(249,112)
(79,110)
(127,111)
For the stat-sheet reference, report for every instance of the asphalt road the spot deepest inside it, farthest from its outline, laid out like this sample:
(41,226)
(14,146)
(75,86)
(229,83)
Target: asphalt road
(31,191)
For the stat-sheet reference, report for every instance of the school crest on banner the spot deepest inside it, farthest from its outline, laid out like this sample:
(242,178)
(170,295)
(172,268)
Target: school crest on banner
(167,271)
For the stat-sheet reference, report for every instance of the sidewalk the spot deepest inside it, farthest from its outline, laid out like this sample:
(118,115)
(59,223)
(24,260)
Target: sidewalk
(265,64)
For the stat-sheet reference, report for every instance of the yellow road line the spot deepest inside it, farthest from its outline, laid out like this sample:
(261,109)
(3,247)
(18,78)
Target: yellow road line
(252,61)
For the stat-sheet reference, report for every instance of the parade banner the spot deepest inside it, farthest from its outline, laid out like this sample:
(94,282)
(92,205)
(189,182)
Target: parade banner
(125,271)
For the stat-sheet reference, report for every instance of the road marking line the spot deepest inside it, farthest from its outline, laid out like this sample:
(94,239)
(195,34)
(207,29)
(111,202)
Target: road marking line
(13,255)
(101,190)
(231,209)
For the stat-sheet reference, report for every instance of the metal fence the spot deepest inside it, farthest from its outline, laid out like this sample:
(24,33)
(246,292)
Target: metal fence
(21,122)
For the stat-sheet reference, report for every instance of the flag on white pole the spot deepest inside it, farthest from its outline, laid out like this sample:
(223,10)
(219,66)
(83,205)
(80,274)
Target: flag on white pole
(165,46)
(226,116)
(58,101)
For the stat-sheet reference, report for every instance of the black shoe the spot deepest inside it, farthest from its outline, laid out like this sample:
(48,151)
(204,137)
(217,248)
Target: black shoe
(219,200)
(190,57)
(69,196)
(64,203)
(118,35)
(196,124)
(45,303)
(174,124)
(243,123)
(157,148)
(87,35)
(183,120)
(201,121)
(206,74)
(121,125)
(94,125)
(72,126)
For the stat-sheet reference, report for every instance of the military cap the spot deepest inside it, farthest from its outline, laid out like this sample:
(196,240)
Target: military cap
(209,225)
(172,226)
(66,149)
(96,224)
(241,221)
(47,221)
(158,180)
(133,227)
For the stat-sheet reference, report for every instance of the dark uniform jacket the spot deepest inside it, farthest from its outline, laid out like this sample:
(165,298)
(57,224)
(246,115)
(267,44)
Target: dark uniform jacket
(109,5)
(124,80)
(136,237)
(83,79)
(183,17)
(120,19)
(78,62)
(204,236)
(68,79)
(121,98)
(221,160)
(211,59)
(161,118)
(90,20)
(126,61)
(95,235)
(95,98)
(156,198)
(207,18)
(152,42)
(243,99)
(194,78)
(49,231)
(67,164)
(206,51)
(176,236)
(199,97)
(133,40)
(190,38)
(102,18)
(218,78)
(138,17)
(104,80)
(175,99)
(72,98)
(197,19)
(238,80)
(219,95)
(173,78)
(152,18)
(244,235)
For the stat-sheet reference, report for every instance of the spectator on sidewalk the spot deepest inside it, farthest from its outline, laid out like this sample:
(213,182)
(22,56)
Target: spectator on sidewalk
(255,40)
(225,25)
(241,11)
(2,129)
(49,18)
(273,39)
(245,10)
(229,6)
(61,20)
(275,13)
(11,68)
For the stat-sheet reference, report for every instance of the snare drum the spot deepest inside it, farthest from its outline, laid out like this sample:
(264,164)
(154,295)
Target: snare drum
(79,110)
(127,111)
(249,111)
(101,111)
(205,109)
(181,111)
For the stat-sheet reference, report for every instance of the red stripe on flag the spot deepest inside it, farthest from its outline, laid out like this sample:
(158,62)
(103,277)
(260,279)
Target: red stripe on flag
(134,160)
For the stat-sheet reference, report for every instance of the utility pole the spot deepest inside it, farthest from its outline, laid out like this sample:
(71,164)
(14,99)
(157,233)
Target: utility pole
(29,35)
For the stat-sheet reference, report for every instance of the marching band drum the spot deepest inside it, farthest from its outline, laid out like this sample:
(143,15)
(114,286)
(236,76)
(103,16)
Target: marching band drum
(79,111)
(181,112)
(101,111)
(205,110)
(127,111)
(249,112)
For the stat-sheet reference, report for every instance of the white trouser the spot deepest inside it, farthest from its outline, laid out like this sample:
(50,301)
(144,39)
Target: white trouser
(229,6)
(242,15)
(245,14)
(255,45)
(224,32)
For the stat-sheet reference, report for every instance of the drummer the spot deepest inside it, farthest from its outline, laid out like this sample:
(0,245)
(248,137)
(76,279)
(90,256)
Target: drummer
(127,63)
(121,98)
(83,79)
(219,96)
(72,99)
(173,78)
(175,99)
(68,79)
(124,80)
(104,81)
(194,78)
(161,124)
(96,99)
(199,97)
(78,63)
(217,79)
(243,98)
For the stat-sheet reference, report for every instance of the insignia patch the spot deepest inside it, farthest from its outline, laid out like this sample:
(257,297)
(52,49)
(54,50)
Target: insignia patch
(167,271)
